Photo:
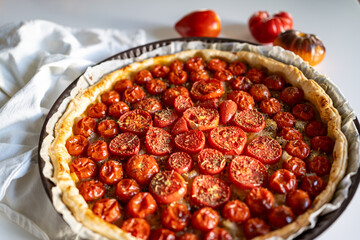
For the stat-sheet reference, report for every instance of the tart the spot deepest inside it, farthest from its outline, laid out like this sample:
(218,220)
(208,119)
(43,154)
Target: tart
(200,144)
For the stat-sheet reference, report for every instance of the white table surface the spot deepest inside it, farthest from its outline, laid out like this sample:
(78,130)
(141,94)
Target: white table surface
(336,22)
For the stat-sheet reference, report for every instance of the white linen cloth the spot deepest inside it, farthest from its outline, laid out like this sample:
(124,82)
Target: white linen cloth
(38,60)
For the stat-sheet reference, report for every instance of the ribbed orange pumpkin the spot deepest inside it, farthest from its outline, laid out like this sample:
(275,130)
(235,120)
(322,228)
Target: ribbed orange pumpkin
(307,46)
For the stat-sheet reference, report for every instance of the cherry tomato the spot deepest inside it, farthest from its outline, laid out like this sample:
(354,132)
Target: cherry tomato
(199,75)
(143,76)
(175,217)
(76,145)
(137,227)
(126,188)
(323,143)
(182,103)
(266,28)
(299,201)
(141,205)
(151,105)
(266,149)
(180,126)
(211,161)
(209,103)
(162,234)
(158,142)
(111,172)
(270,106)
(292,95)
(298,148)
(216,64)
(303,111)
(237,68)
(91,190)
(165,118)
(85,126)
(207,89)
(223,75)
(97,110)
(241,83)
(178,77)
(296,166)
(160,71)
(280,216)
(315,128)
(290,134)
(176,65)
(125,145)
(136,121)
(319,165)
(118,109)
(256,75)
(180,162)
(142,168)
(227,110)
(236,211)
(170,94)
(313,185)
(168,187)
(155,86)
(107,209)
(188,236)
(247,172)
(191,142)
(259,92)
(108,128)
(123,84)
(284,119)
(255,227)
(98,150)
(195,64)
(260,201)
(243,99)
(229,140)
(205,219)
(202,118)
(133,94)
(218,234)
(249,120)
(204,23)
(283,181)
(275,82)
(84,168)
(209,191)
(110,97)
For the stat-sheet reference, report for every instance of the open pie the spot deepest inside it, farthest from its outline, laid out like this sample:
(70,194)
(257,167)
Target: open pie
(200,144)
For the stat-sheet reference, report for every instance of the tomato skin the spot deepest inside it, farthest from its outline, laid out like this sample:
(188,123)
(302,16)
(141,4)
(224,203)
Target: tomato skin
(168,187)
(162,234)
(180,126)
(223,75)
(205,23)
(178,77)
(91,190)
(158,142)
(176,65)
(270,106)
(229,140)
(142,168)
(313,185)
(76,145)
(126,188)
(143,76)
(255,227)
(290,134)
(275,82)
(211,161)
(195,64)
(133,94)
(84,168)
(319,165)
(191,142)
(243,99)
(180,162)
(137,227)
(249,120)
(155,86)
(256,75)
(171,93)
(107,209)
(188,236)
(123,84)
(108,128)
(260,201)
(299,201)
(280,216)
(247,172)
(97,110)
(141,205)
(150,105)
(259,92)
(165,118)
(296,166)
(292,95)
(205,219)
(216,64)
(136,121)
(283,181)
(241,83)
(209,103)
(111,172)
(298,148)
(182,103)
(199,75)
(209,191)
(218,234)
(85,126)
(125,145)
(160,71)
(266,28)
(303,111)
(315,128)
(202,118)
(267,150)
(323,143)
(110,97)
(175,217)
(118,109)
(98,150)
(207,89)
(227,110)
(236,211)
(284,119)
(237,68)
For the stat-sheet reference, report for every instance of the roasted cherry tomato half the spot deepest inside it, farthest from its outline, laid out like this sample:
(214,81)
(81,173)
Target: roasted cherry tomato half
(243,100)
(111,172)
(108,128)
(275,82)
(199,75)
(171,93)
(76,145)
(223,75)
(259,92)
(133,94)
(229,140)
(266,149)
(126,189)
(227,110)
(97,110)
(136,121)
(85,126)
(182,103)
(143,76)
(91,190)
(303,111)
(165,118)
(125,145)
(141,205)
(191,142)
(237,68)
(284,119)
(98,150)
(256,75)
(260,201)
(142,168)
(155,86)
(158,142)
(84,168)
(283,181)
(270,106)
(107,209)
(188,236)
(118,109)
(175,217)
(241,83)
(180,162)
(315,128)
(178,77)
(211,161)
(180,126)
(202,118)
(151,105)
(206,89)
(290,134)
(160,71)
(249,120)
(137,227)
(205,219)
(216,64)
(236,211)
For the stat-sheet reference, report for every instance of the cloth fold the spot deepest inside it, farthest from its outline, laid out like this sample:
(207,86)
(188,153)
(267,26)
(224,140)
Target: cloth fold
(38,60)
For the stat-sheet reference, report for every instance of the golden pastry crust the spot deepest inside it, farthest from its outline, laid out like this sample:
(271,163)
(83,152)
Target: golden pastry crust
(76,108)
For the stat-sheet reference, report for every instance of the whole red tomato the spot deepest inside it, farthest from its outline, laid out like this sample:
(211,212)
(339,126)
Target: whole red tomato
(266,28)
(205,23)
